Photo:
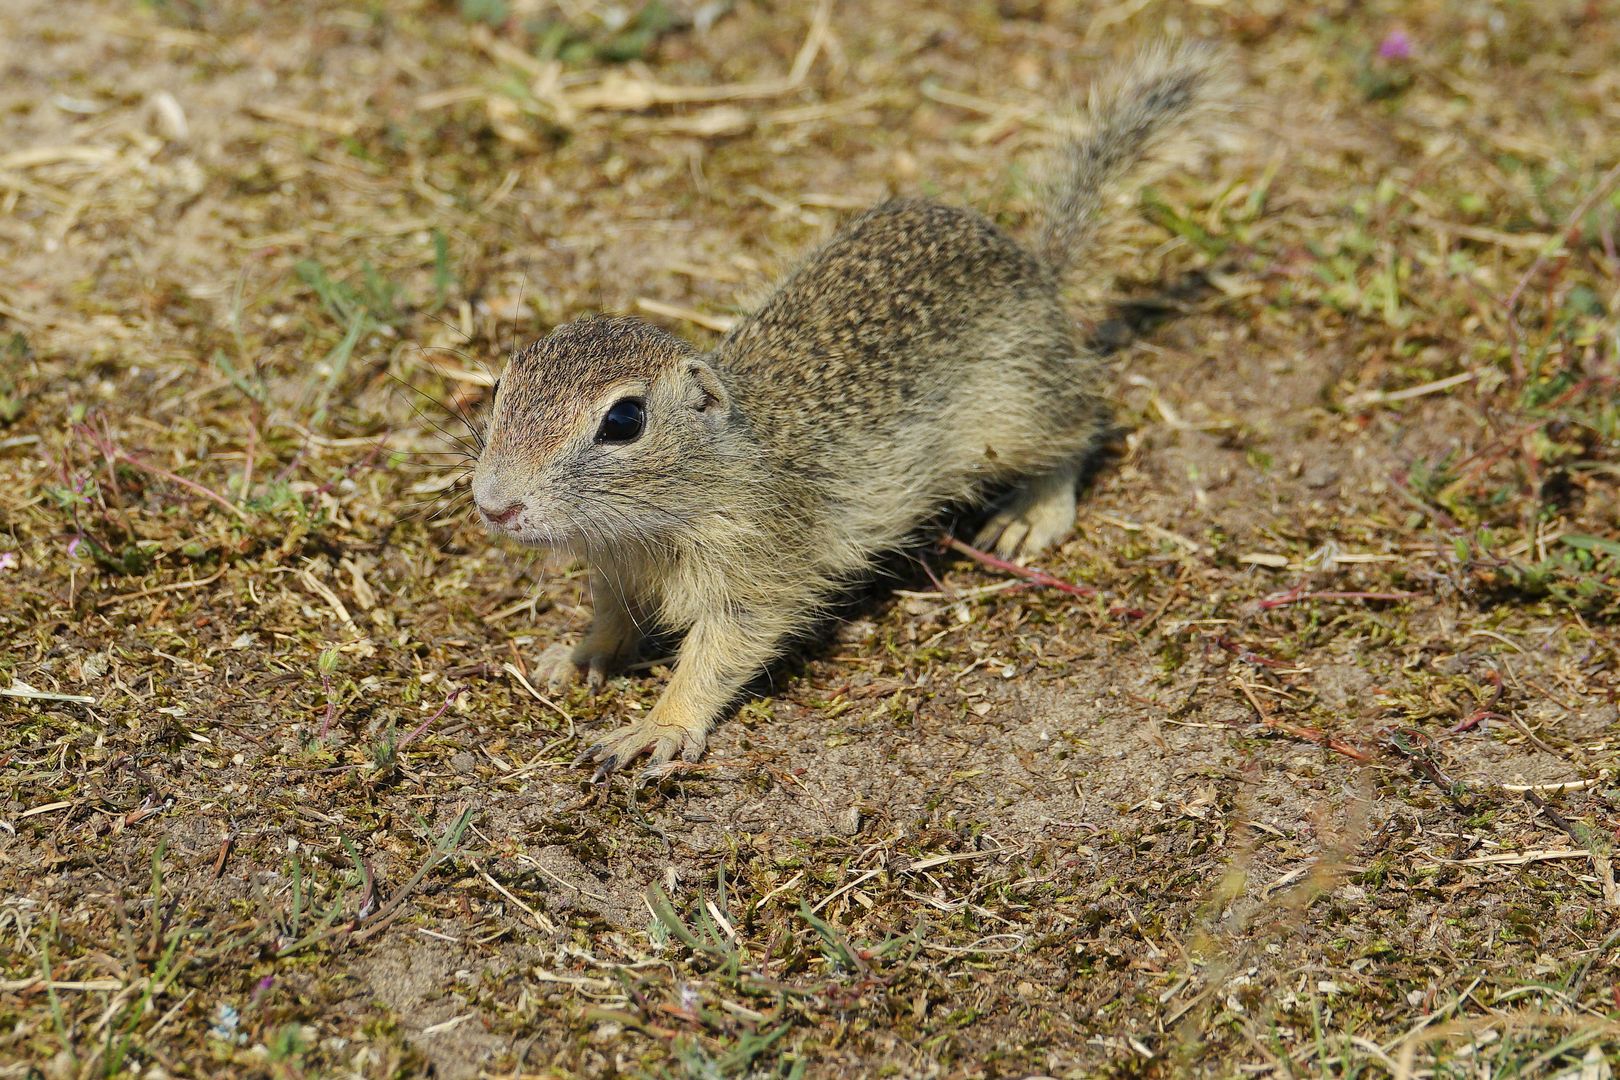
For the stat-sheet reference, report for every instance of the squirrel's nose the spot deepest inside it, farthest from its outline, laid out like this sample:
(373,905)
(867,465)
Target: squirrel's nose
(501,517)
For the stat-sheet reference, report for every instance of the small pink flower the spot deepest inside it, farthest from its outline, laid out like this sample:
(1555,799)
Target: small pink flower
(8,560)
(73,547)
(1395,46)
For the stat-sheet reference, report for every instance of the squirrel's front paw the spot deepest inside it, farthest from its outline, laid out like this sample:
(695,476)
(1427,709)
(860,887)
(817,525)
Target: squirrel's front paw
(661,741)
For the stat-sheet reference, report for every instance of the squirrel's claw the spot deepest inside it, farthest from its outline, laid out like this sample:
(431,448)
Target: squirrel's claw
(661,743)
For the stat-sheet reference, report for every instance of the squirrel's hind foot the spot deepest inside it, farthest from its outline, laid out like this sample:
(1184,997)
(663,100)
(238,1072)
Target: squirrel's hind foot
(1033,517)
(561,666)
(597,656)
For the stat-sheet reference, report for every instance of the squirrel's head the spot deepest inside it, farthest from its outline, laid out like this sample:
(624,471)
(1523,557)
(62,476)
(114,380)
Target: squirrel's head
(599,436)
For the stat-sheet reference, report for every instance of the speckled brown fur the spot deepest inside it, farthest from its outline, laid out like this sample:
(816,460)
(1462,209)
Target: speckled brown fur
(919,359)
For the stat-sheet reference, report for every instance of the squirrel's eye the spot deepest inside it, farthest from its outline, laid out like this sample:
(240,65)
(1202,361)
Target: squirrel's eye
(623,422)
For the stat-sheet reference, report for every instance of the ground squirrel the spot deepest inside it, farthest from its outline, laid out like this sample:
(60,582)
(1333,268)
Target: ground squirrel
(920,359)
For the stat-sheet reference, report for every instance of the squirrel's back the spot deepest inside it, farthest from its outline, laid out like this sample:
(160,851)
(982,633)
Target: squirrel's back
(866,330)
(922,354)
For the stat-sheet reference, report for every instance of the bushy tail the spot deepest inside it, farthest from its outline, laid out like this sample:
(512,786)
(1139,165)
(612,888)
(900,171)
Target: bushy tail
(1165,96)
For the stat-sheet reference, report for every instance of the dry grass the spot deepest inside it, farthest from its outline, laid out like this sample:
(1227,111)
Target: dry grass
(1308,768)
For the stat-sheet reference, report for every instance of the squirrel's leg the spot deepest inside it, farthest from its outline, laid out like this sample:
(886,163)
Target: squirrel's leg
(611,641)
(720,654)
(1033,517)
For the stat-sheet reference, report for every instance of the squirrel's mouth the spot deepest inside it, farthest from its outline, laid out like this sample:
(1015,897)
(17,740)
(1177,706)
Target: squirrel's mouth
(529,535)
(519,523)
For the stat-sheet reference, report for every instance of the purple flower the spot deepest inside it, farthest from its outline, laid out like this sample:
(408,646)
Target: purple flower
(73,547)
(1395,46)
(8,560)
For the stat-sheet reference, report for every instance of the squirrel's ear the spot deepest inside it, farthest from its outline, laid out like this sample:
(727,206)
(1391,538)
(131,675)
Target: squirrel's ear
(706,392)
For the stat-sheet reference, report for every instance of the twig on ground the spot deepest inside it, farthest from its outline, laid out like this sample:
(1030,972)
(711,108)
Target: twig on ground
(540,921)
(424,725)
(441,851)
(1247,655)
(1568,827)
(20,689)
(717,323)
(1567,785)
(171,587)
(523,680)
(1038,577)
(1414,746)
(1302,731)
(1300,595)
(113,452)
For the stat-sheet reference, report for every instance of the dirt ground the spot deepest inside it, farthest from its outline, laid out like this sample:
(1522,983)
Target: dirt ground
(1309,768)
